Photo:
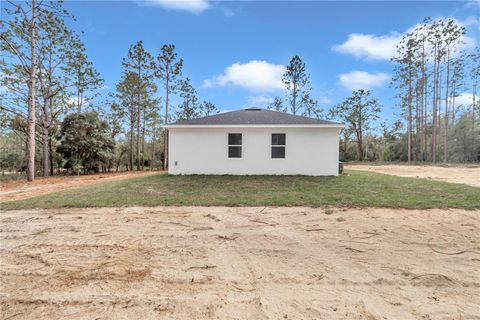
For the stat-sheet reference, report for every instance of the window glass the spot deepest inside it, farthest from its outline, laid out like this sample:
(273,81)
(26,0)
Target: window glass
(234,145)
(234,152)
(235,139)
(278,152)
(278,139)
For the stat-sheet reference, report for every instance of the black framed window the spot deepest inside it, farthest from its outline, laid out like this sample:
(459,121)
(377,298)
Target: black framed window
(278,145)
(234,145)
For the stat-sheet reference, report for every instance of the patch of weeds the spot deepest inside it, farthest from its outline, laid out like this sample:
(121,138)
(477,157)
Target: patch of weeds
(328,210)
(340,219)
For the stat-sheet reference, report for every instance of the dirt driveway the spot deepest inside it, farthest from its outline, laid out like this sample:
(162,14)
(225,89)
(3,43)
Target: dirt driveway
(20,189)
(239,263)
(470,176)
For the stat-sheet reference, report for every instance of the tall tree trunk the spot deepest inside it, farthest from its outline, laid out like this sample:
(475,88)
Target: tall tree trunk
(45,137)
(50,155)
(31,99)
(360,147)
(445,142)
(294,98)
(345,141)
(138,135)
(132,128)
(165,135)
(409,129)
(424,105)
(139,110)
(425,119)
(474,96)
(143,140)
(152,161)
(79,103)
(434,111)
(360,131)
(416,154)
(452,97)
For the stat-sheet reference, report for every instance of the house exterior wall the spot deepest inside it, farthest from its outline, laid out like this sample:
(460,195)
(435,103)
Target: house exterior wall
(309,151)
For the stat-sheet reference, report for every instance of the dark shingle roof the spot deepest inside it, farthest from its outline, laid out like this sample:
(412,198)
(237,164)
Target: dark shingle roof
(253,116)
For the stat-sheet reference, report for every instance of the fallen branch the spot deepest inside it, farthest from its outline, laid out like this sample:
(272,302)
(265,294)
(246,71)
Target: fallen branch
(267,223)
(207,266)
(372,234)
(226,237)
(200,229)
(315,229)
(242,289)
(356,250)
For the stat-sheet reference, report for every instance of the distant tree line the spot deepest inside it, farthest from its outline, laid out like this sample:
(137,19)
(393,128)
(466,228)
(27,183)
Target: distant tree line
(136,105)
(46,74)
(432,70)
(54,117)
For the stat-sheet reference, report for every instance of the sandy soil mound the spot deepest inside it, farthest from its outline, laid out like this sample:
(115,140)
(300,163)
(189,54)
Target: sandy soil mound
(470,176)
(239,263)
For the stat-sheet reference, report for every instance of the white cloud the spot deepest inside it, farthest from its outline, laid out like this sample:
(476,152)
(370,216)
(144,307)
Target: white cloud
(193,6)
(255,75)
(464,99)
(383,47)
(258,101)
(362,80)
(370,46)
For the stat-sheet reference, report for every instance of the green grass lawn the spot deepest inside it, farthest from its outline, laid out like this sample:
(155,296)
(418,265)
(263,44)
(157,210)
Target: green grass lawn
(355,188)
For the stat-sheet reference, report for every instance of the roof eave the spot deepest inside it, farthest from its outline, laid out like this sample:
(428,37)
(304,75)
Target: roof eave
(205,126)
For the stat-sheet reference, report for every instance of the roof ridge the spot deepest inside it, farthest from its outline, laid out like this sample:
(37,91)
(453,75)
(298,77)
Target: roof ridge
(254,116)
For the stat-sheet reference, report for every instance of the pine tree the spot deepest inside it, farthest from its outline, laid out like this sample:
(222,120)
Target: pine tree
(310,107)
(86,79)
(169,69)
(277,105)
(406,77)
(296,82)
(20,42)
(188,109)
(126,107)
(358,113)
(207,108)
(141,62)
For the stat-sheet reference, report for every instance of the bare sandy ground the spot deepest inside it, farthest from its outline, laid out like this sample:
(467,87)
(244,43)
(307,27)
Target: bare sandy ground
(470,176)
(239,263)
(21,189)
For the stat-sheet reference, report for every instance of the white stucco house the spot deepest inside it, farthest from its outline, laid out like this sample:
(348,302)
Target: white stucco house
(254,141)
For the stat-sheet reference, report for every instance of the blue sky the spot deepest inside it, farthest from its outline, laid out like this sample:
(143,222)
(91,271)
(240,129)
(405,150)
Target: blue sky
(234,51)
